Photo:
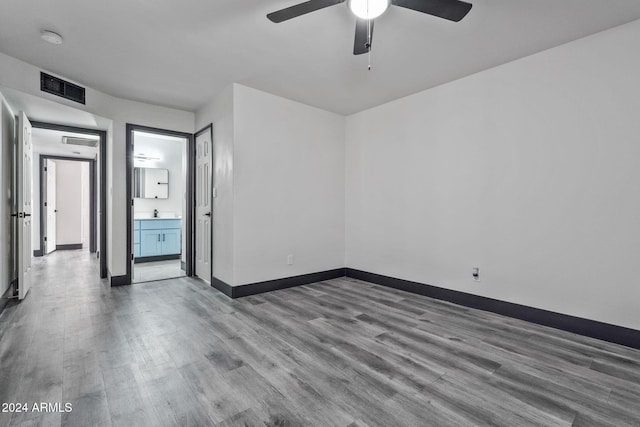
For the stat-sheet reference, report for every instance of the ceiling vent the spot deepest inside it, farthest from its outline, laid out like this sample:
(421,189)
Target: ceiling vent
(56,86)
(85,142)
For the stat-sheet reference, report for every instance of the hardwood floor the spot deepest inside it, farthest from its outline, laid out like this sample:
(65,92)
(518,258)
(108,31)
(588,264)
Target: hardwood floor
(343,353)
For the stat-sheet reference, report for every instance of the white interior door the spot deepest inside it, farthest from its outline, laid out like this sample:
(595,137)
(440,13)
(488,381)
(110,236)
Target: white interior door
(23,169)
(203,206)
(52,208)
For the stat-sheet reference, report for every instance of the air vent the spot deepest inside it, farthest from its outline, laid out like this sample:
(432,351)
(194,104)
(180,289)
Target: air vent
(85,142)
(62,88)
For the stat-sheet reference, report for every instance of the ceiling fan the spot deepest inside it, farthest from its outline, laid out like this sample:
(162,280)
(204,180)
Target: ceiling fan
(367,10)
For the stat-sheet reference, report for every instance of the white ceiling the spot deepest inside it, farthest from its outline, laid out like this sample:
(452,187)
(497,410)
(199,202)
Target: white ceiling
(46,141)
(44,110)
(181,54)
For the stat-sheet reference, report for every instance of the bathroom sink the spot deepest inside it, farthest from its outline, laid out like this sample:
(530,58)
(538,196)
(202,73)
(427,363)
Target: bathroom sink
(161,215)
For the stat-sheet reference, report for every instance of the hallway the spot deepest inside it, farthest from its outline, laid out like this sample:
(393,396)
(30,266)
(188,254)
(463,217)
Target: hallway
(342,352)
(75,339)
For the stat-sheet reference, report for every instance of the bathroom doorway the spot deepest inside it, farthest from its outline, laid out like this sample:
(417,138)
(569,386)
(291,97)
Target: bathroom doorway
(161,204)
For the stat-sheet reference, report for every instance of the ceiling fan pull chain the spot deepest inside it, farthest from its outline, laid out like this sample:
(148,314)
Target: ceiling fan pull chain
(368,37)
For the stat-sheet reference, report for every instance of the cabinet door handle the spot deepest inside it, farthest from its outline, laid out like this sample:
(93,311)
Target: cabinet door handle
(158,237)
(163,237)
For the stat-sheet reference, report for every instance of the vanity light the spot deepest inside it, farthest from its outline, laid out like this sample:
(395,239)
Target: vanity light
(51,37)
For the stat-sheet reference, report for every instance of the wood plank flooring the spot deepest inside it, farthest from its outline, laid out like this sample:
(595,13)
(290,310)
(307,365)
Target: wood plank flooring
(336,353)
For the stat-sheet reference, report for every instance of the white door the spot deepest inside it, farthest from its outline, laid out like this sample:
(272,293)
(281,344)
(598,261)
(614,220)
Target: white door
(203,206)
(23,172)
(52,209)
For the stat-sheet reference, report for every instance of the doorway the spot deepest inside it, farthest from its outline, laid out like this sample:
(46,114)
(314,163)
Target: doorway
(67,218)
(98,181)
(160,213)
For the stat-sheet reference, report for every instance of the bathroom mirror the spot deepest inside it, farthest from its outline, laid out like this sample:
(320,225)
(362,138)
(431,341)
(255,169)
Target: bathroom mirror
(150,183)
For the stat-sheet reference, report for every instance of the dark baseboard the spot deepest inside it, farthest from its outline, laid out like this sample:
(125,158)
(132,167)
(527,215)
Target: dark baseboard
(287,282)
(274,285)
(70,247)
(117,280)
(183,266)
(223,287)
(590,328)
(6,298)
(144,259)
(37,253)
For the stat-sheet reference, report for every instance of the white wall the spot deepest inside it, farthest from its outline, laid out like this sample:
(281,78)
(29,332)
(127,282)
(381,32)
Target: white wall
(289,187)
(219,112)
(170,154)
(7,130)
(279,173)
(18,75)
(69,202)
(528,171)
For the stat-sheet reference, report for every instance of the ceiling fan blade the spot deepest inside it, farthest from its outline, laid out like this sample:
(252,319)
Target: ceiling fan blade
(301,9)
(453,10)
(364,36)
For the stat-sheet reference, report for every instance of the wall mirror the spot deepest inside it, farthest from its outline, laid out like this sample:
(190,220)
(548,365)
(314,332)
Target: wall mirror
(150,183)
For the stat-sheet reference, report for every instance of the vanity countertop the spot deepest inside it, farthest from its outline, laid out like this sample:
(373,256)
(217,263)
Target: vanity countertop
(151,218)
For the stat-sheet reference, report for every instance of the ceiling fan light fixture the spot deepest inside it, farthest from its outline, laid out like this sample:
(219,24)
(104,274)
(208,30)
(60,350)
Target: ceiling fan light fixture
(368,9)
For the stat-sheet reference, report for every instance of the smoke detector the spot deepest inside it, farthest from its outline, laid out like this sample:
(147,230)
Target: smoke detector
(51,37)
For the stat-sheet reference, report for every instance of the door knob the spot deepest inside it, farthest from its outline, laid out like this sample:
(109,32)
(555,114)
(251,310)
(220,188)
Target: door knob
(208,214)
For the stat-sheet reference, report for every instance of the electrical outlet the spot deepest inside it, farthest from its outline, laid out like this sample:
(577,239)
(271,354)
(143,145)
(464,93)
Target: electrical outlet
(290,259)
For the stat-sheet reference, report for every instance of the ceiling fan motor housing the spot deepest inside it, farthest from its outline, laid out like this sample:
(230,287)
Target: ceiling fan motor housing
(368,9)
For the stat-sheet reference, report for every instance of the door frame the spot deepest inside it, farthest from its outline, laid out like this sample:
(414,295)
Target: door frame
(207,128)
(92,198)
(190,203)
(102,190)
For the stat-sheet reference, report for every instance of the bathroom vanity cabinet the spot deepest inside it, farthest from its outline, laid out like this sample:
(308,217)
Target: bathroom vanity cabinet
(157,237)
